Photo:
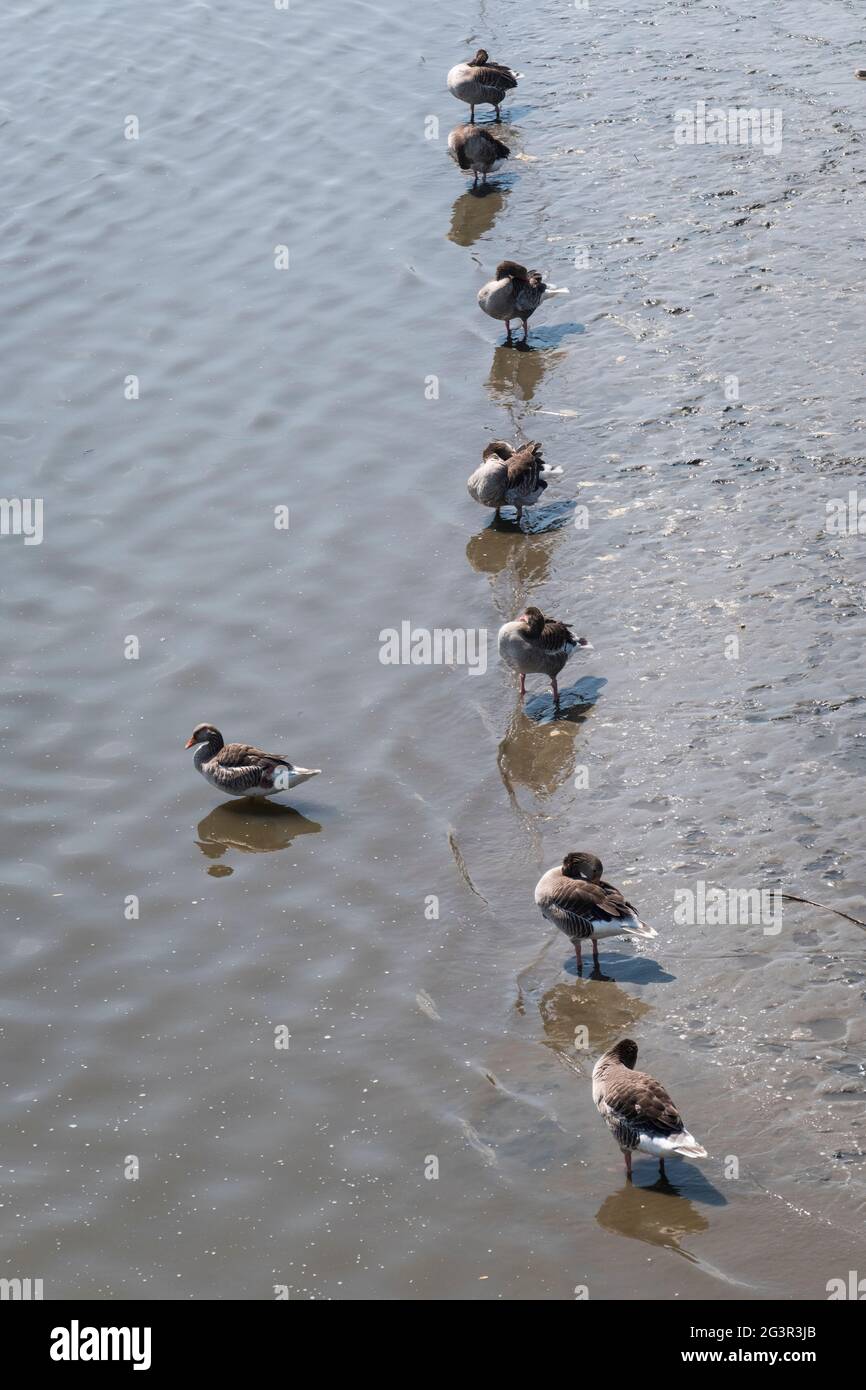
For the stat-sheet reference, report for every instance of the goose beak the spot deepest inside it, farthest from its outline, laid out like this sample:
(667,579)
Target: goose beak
(189,743)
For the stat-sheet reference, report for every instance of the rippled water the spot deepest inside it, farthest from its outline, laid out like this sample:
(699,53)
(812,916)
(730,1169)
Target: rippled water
(411,1037)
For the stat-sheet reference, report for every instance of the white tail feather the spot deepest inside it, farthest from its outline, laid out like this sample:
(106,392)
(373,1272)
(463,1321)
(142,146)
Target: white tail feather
(638,928)
(690,1148)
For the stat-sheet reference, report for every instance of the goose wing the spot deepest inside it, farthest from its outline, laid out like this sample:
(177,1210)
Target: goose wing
(241,767)
(557,637)
(638,1100)
(496,76)
(579,906)
(524,470)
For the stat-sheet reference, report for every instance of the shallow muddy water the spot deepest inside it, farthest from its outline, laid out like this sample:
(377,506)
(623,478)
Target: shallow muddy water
(415,1037)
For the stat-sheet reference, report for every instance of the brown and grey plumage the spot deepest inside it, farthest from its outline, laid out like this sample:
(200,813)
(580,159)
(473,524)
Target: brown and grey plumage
(533,644)
(638,1110)
(239,769)
(511,477)
(476,150)
(575,898)
(514,293)
(481,82)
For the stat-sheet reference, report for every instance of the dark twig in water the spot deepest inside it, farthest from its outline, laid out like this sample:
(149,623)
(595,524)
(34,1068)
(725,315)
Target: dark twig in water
(792,898)
(461,865)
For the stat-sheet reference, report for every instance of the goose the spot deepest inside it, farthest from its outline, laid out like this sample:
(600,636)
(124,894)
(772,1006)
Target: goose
(511,477)
(515,293)
(238,769)
(477,150)
(575,898)
(481,82)
(638,1110)
(535,645)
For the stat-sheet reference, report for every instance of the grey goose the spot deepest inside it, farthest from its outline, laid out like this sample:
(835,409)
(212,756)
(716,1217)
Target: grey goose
(480,82)
(576,899)
(515,293)
(511,477)
(535,645)
(638,1110)
(476,150)
(239,769)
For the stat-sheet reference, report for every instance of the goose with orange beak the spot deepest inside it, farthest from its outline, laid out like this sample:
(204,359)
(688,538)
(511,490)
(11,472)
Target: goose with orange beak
(239,769)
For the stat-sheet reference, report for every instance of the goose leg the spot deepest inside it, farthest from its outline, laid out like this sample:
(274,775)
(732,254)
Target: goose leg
(508,330)
(475,180)
(522,686)
(498,114)
(662,1173)
(471,115)
(596,965)
(627,1157)
(519,515)
(578,957)
(525,329)
(496,515)
(555,691)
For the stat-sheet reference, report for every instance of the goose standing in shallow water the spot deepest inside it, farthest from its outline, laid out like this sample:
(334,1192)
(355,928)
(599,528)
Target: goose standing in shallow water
(481,82)
(535,645)
(638,1110)
(476,150)
(511,477)
(575,898)
(514,293)
(238,769)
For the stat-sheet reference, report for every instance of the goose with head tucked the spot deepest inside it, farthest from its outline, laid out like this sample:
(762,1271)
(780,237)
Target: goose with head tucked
(239,769)
(576,899)
(476,150)
(515,293)
(638,1110)
(481,82)
(535,645)
(511,477)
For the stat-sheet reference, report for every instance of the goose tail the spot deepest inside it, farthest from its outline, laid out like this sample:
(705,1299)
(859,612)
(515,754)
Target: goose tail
(638,928)
(302,774)
(688,1146)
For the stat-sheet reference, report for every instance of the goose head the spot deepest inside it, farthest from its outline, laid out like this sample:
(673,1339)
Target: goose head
(204,733)
(625,1052)
(586,866)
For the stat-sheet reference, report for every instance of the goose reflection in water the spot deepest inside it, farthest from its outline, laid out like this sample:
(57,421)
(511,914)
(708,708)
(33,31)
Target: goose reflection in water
(656,1215)
(475,212)
(569,1008)
(250,828)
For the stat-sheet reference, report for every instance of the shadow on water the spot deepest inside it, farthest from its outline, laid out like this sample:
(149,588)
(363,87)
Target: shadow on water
(634,969)
(574,702)
(550,335)
(475,212)
(536,520)
(252,827)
